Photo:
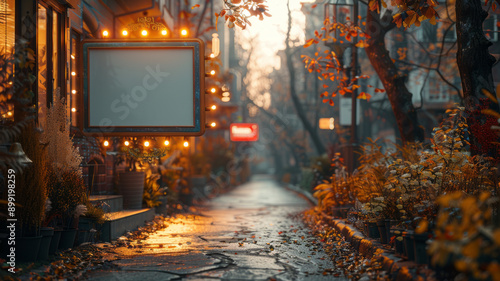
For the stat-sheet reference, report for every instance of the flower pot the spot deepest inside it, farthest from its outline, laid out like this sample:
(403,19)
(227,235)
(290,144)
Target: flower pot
(382,232)
(131,185)
(54,242)
(27,248)
(420,248)
(67,238)
(47,233)
(408,245)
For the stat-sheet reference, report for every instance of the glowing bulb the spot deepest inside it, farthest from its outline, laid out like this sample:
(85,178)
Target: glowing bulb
(73,92)
(184,32)
(146,143)
(167,142)
(213,107)
(73,73)
(212,56)
(72,57)
(164,32)
(186,143)
(9,113)
(124,32)
(105,33)
(213,124)
(127,143)
(213,90)
(106,143)
(225,99)
(226,94)
(212,72)
(144,32)
(73,109)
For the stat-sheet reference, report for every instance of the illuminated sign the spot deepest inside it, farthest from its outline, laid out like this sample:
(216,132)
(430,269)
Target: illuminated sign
(143,88)
(244,132)
(327,123)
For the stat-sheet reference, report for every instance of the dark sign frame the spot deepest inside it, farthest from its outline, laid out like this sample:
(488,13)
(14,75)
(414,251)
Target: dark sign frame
(95,120)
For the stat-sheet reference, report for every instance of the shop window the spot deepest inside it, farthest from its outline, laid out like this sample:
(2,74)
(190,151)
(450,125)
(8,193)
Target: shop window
(7,35)
(490,28)
(50,67)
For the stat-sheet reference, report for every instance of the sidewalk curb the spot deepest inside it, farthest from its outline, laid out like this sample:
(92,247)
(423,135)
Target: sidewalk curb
(368,247)
(365,246)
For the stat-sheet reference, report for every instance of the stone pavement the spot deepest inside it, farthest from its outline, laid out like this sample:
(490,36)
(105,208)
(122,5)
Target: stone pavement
(250,233)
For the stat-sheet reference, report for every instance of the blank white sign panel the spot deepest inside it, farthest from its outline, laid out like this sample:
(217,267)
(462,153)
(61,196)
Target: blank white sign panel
(152,87)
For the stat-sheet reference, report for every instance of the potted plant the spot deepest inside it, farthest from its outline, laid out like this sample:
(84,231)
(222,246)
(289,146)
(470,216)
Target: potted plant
(131,181)
(90,223)
(31,188)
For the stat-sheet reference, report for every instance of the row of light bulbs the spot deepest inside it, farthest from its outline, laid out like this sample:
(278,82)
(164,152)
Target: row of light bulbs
(183,32)
(147,143)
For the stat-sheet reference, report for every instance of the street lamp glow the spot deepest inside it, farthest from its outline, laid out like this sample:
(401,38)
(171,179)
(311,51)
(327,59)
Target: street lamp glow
(124,32)
(106,143)
(126,143)
(164,32)
(144,32)
(146,143)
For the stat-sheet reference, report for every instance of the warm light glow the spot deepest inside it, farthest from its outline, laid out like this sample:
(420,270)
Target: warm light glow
(215,44)
(225,99)
(213,90)
(106,143)
(167,142)
(226,94)
(212,56)
(213,124)
(9,113)
(186,143)
(164,32)
(212,72)
(73,109)
(127,143)
(124,32)
(213,107)
(144,32)
(184,32)
(105,33)
(73,92)
(146,143)
(73,73)
(72,57)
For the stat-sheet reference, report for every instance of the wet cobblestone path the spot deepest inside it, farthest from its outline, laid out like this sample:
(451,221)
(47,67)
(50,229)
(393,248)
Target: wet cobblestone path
(250,233)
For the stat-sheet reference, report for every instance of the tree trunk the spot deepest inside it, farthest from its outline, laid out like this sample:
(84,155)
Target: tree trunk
(320,148)
(475,63)
(394,84)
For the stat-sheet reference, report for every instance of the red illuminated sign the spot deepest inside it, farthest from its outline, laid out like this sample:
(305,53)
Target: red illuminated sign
(244,132)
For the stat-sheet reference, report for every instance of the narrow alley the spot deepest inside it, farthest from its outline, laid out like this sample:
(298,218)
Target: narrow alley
(253,232)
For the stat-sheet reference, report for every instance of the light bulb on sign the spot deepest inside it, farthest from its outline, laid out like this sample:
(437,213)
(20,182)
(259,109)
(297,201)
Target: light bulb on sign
(146,143)
(186,143)
(215,45)
(124,32)
(144,32)
(167,142)
(106,143)
(126,143)
(105,33)
(184,32)
(164,32)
